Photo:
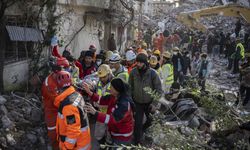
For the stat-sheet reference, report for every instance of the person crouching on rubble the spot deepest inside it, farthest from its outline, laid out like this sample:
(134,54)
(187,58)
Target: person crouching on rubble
(119,115)
(103,89)
(72,124)
(203,71)
(49,93)
(174,92)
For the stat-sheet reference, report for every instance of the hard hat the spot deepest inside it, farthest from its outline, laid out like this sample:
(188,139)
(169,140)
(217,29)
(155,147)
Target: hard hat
(153,60)
(157,52)
(63,79)
(103,70)
(115,58)
(108,55)
(176,49)
(166,55)
(130,55)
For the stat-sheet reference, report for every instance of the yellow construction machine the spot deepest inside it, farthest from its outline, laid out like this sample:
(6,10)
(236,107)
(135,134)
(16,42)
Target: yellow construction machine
(192,18)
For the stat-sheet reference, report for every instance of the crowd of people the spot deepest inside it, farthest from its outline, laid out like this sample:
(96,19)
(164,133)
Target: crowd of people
(117,109)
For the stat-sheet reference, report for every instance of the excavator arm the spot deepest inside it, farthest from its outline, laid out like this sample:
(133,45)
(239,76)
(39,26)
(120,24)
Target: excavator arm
(191,18)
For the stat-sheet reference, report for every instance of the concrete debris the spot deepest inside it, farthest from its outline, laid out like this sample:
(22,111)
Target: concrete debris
(2,100)
(6,122)
(10,139)
(21,122)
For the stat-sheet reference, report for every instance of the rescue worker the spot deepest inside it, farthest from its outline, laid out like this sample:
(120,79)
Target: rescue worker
(238,55)
(88,64)
(108,54)
(49,93)
(187,63)
(103,88)
(140,77)
(119,115)
(203,71)
(130,60)
(157,53)
(67,54)
(72,122)
(178,64)
(118,70)
(154,64)
(245,80)
(167,72)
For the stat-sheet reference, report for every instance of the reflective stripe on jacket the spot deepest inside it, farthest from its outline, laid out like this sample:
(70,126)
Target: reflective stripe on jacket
(168,74)
(72,121)
(242,50)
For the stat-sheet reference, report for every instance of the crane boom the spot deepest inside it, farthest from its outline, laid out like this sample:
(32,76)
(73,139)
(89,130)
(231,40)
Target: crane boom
(191,18)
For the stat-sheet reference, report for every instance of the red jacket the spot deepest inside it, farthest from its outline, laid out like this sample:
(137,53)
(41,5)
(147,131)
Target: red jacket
(88,70)
(79,66)
(55,52)
(119,116)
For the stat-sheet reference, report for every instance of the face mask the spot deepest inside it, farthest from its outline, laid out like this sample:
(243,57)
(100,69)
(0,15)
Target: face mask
(113,70)
(188,55)
(175,53)
(99,62)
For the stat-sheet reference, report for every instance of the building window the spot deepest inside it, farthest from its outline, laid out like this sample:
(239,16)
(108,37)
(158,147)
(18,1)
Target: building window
(21,38)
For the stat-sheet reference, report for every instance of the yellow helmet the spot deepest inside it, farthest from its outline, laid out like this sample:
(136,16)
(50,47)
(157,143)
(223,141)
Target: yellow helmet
(153,60)
(166,54)
(108,55)
(103,70)
(176,49)
(144,45)
(157,52)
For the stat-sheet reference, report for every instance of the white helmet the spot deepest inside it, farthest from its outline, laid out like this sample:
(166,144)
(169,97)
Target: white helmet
(130,55)
(115,58)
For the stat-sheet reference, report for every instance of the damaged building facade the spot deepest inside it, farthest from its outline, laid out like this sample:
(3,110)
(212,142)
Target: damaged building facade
(82,23)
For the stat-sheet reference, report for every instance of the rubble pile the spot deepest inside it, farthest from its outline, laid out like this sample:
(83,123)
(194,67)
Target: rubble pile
(21,122)
(215,124)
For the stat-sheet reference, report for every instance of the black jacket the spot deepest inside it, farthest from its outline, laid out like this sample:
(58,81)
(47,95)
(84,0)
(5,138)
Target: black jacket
(175,59)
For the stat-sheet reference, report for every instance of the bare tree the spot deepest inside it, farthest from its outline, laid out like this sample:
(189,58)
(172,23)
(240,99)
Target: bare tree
(4,4)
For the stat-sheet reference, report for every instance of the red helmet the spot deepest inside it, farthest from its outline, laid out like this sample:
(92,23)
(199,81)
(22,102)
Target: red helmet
(63,62)
(63,79)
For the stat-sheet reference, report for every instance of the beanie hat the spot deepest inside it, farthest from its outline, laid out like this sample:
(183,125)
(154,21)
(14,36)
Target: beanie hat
(89,54)
(119,85)
(142,57)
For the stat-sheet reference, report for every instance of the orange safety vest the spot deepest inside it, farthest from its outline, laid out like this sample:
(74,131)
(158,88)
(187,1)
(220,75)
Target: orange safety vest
(72,122)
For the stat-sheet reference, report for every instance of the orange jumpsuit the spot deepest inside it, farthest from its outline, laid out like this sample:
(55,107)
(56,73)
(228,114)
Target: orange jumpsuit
(49,93)
(72,122)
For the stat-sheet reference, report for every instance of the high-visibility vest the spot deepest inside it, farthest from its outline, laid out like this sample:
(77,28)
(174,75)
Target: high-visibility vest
(72,121)
(103,91)
(170,78)
(122,75)
(242,50)
(190,39)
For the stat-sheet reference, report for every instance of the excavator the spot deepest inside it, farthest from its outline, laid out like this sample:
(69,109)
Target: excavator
(192,18)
